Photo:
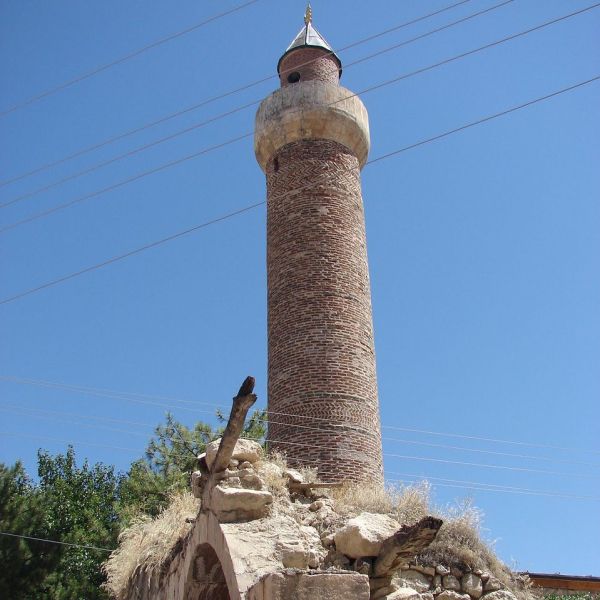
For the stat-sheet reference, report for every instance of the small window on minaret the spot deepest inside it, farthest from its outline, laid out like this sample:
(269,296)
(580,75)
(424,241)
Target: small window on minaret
(276,165)
(294,77)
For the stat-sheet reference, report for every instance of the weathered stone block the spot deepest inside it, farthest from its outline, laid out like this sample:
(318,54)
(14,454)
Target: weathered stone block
(311,586)
(239,504)
(471,584)
(245,450)
(364,535)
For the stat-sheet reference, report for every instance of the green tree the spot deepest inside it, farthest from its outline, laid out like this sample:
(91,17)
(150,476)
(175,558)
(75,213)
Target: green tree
(25,562)
(80,505)
(170,459)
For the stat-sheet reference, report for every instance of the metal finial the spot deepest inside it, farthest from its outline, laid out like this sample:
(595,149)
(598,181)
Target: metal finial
(308,14)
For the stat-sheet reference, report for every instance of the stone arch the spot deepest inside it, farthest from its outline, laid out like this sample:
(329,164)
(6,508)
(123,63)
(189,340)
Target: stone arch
(208,569)
(206,579)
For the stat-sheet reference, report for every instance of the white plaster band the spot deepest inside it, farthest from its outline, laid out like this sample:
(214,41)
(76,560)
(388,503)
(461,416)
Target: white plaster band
(311,110)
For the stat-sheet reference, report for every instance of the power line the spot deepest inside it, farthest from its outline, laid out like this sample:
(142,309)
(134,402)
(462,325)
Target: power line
(493,486)
(312,446)
(216,118)
(500,490)
(492,452)
(487,439)
(37,539)
(488,466)
(123,59)
(20,408)
(187,231)
(63,441)
(214,99)
(31,413)
(209,149)
(142,398)
(123,182)
(135,398)
(48,414)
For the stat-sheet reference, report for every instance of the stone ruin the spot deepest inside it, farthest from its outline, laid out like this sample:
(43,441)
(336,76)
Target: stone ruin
(264,532)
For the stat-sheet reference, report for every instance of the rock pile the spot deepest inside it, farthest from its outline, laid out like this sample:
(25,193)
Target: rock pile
(294,523)
(241,494)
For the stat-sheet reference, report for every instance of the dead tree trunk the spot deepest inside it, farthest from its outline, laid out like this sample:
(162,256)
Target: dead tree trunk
(241,405)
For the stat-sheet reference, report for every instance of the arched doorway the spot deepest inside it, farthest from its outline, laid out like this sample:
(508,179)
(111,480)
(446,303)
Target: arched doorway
(206,580)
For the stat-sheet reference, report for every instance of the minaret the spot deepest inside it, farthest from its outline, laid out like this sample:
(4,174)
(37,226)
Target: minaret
(311,140)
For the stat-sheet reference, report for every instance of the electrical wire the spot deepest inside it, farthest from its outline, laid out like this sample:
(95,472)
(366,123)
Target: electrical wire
(195,228)
(488,466)
(455,482)
(70,442)
(209,149)
(123,59)
(500,490)
(331,429)
(216,118)
(214,99)
(143,398)
(492,486)
(38,539)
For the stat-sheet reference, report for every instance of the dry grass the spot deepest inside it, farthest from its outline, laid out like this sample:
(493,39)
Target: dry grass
(407,504)
(459,542)
(270,470)
(147,543)
(352,499)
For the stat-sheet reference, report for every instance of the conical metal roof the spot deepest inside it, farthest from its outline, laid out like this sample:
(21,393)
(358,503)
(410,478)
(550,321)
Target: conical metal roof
(309,37)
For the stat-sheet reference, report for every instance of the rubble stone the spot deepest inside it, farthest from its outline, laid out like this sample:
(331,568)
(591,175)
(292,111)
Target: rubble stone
(450,582)
(364,535)
(404,593)
(413,579)
(452,595)
(491,584)
(471,584)
(245,450)
(238,504)
(500,595)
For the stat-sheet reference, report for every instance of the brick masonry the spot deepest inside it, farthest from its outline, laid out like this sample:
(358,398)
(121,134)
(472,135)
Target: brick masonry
(311,64)
(323,403)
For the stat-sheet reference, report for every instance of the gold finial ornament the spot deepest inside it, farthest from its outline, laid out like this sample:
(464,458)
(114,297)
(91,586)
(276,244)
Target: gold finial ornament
(308,14)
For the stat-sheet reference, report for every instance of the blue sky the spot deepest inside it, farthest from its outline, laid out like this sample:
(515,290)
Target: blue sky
(483,246)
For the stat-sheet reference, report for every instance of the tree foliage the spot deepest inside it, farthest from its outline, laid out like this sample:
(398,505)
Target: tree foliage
(24,562)
(87,506)
(169,461)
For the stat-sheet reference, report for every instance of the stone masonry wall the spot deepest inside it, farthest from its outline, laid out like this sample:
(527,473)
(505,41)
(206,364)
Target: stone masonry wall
(321,347)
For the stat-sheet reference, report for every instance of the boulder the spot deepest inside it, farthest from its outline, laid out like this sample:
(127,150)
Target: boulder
(471,584)
(500,595)
(294,476)
(450,582)
(404,593)
(492,584)
(294,556)
(413,579)
(245,450)
(238,504)
(430,571)
(364,535)
(452,595)
(442,570)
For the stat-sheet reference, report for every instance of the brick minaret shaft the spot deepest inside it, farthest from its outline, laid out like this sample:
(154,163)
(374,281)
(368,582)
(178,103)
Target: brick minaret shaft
(311,140)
